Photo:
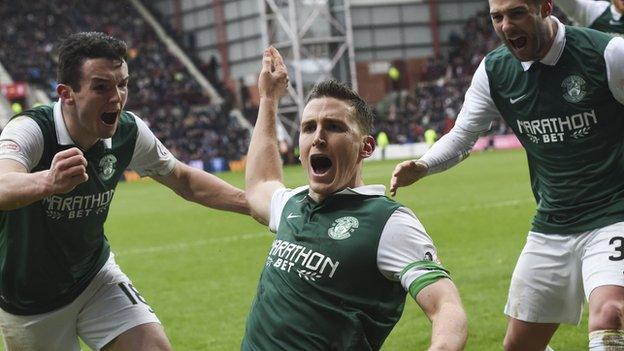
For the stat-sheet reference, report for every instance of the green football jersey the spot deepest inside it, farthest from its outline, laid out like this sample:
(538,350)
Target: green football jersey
(570,124)
(51,249)
(606,23)
(321,287)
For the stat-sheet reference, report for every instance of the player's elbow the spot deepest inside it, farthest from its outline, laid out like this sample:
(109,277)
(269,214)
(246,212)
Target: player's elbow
(259,217)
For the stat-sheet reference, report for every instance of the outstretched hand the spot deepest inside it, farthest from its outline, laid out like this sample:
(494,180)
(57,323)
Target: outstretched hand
(273,79)
(406,173)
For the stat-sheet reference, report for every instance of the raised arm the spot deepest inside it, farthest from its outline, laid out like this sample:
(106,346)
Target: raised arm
(263,172)
(441,303)
(204,188)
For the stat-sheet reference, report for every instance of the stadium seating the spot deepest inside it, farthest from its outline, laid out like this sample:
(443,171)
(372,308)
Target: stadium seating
(435,103)
(161,90)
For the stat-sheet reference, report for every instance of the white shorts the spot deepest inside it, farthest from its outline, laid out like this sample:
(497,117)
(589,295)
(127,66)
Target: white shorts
(555,274)
(109,306)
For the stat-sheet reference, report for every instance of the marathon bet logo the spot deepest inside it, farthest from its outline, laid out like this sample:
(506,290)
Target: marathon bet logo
(557,129)
(107,166)
(343,227)
(306,263)
(573,88)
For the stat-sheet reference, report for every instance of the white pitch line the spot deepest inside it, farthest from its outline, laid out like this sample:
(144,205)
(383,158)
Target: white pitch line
(188,245)
(192,244)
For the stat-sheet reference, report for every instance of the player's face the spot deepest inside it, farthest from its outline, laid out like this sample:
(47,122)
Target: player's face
(523,26)
(96,107)
(332,146)
(619,4)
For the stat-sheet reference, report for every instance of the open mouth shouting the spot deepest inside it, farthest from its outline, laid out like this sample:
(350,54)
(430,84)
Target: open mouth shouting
(109,118)
(320,164)
(518,43)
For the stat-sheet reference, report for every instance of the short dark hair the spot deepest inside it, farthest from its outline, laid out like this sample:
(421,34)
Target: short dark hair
(341,91)
(78,47)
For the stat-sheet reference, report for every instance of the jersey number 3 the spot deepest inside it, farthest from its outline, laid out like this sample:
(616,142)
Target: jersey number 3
(619,248)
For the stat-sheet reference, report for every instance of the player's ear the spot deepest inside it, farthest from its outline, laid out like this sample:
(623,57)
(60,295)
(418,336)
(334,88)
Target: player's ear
(65,93)
(546,8)
(368,146)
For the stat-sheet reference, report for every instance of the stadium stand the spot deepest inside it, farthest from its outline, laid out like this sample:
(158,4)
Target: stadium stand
(164,94)
(435,102)
(161,90)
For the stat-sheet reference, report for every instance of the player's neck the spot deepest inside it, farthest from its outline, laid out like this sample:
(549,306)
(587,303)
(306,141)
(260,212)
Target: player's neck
(549,37)
(81,138)
(319,197)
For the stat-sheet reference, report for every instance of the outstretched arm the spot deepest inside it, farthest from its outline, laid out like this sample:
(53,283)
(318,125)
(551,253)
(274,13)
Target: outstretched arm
(204,188)
(441,303)
(475,118)
(263,172)
(450,150)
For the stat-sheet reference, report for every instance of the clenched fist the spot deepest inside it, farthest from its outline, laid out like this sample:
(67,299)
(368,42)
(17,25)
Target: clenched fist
(68,169)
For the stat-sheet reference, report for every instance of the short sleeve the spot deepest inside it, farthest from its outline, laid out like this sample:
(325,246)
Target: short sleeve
(22,141)
(406,253)
(278,200)
(614,54)
(150,157)
(585,12)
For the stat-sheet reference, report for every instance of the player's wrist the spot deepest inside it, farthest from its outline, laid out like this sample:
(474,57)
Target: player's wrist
(45,183)
(269,99)
(421,166)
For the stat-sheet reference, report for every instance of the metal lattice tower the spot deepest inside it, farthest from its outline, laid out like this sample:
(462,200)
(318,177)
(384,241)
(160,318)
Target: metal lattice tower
(316,40)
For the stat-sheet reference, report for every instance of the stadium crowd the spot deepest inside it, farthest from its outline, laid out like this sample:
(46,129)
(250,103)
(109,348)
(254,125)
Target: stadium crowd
(173,104)
(161,90)
(405,115)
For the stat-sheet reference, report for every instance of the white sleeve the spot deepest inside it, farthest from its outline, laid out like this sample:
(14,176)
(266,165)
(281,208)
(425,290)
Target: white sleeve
(22,141)
(474,119)
(278,200)
(584,12)
(407,254)
(150,156)
(614,58)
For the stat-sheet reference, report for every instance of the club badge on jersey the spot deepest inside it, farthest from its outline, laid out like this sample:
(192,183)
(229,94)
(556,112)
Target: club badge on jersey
(343,227)
(107,166)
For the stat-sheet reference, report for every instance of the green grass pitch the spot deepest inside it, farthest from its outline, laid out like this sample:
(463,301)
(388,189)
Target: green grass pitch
(198,268)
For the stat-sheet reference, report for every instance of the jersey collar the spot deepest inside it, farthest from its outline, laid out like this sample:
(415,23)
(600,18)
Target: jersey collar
(368,190)
(554,53)
(62,134)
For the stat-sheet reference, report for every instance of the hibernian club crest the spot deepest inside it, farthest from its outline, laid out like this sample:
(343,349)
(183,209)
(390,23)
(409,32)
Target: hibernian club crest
(107,166)
(343,227)
(574,88)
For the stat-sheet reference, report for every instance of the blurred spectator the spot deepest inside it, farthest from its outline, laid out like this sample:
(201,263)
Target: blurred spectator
(162,91)
(434,103)
(430,136)
(382,143)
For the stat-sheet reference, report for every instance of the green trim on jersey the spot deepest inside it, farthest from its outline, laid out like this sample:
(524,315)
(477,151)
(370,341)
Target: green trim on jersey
(570,125)
(436,273)
(321,288)
(605,23)
(51,249)
(424,281)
